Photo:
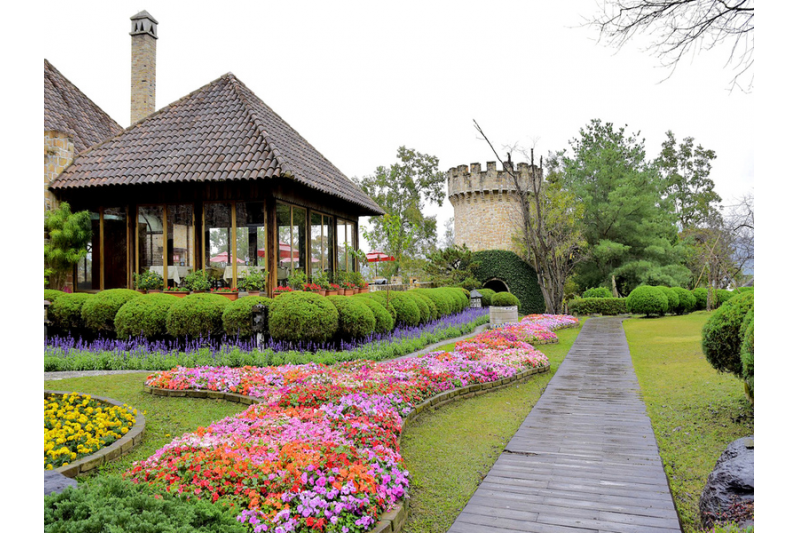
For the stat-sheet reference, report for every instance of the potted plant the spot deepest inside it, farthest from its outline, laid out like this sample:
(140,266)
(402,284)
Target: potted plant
(333,289)
(197,281)
(280,290)
(321,279)
(227,292)
(148,281)
(180,292)
(296,280)
(313,287)
(359,284)
(253,284)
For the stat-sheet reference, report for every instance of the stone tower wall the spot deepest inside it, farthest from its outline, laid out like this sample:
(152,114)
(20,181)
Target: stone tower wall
(143,66)
(485,208)
(58,154)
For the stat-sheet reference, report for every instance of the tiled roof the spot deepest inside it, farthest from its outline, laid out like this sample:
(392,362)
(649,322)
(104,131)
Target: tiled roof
(220,132)
(68,110)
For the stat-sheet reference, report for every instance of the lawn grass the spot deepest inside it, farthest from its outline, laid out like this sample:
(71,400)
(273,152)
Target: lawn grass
(696,411)
(165,417)
(448,451)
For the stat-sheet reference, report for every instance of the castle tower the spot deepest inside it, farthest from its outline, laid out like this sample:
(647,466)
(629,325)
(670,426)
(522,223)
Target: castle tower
(143,65)
(486,211)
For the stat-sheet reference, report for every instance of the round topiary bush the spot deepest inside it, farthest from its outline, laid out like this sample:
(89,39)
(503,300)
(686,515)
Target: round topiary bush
(686,301)
(647,300)
(51,295)
(434,310)
(99,312)
(197,315)
(303,316)
(408,313)
(486,297)
(700,298)
(505,299)
(597,292)
(447,299)
(443,304)
(721,335)
(724,295)
(237,317)
(356,320)
(65,312)
(384,323)
(145,316)
(422,304)
(382,298)
(748,335)
(673,301)
(461,299)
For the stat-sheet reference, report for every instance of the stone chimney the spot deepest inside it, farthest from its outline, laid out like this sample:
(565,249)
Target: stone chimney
(143,65)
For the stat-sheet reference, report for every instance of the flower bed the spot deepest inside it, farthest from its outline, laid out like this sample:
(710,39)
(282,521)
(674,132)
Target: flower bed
(320,450)
(76,426)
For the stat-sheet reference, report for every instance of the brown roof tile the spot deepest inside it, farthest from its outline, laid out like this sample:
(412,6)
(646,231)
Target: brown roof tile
(68,110)
(221,131)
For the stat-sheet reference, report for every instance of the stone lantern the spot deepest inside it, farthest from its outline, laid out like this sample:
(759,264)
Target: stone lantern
(475,298)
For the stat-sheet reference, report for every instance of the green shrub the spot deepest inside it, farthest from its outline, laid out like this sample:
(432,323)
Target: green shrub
(237,317)
(700,298)
(148,280)
(601,306)
(519,277)
(723,296)
(307,316)
(686,301)
(65,312)
(114,504)
(647,300)
(748,335)
(98,313)
(407,309)
(384,299)
(434,309)
(486,297)
(51,295)
(422,303)
(673,301)
(597,292)
(197,281)
(384,323)
(461,297)
(197,315)
(505,299)
(721,335)
(356,320)
(145,316)
(443,304)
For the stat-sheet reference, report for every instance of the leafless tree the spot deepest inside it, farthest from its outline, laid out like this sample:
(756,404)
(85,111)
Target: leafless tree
(679,27)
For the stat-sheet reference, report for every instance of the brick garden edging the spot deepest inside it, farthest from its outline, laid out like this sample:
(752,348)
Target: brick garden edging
(118,448)
(392,520)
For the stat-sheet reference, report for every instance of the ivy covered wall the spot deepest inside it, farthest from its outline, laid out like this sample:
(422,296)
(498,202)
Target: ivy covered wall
(518,275)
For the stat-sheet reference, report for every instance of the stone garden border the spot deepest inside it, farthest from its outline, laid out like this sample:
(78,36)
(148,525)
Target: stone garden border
(118,448)
(392,520)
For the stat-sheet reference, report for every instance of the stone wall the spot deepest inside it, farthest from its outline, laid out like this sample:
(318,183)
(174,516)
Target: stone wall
(143,76)
(58,154)
(486,211)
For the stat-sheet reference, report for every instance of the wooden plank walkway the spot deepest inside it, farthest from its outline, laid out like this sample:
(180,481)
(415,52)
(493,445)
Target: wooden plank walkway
(585,460)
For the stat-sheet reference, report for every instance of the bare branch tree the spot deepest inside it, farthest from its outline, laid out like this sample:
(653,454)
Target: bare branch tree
(679,27)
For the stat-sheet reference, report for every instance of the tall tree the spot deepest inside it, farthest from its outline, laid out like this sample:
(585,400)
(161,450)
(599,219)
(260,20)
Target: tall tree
(687,188)
(679,27)
(68,235)
(403,190)
(548,236)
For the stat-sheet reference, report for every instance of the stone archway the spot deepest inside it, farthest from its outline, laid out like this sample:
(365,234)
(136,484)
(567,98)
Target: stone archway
(496,284)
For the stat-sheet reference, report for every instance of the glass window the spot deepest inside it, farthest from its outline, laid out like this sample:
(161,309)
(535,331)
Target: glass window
(291,240)
(218,251)
(150,227)
(250,244)
(180,243)
(322,246)
(88,269)
(345,232)
(115,248)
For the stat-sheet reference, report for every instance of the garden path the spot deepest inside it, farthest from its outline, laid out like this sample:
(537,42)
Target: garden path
(585,460)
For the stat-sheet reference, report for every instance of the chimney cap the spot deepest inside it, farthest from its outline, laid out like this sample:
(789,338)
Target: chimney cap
(143,14)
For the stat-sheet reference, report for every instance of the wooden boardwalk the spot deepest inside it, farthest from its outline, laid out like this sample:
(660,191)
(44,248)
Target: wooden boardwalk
(585,460)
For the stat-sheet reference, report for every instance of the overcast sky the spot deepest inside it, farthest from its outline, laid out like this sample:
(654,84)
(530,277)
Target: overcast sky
(360,79)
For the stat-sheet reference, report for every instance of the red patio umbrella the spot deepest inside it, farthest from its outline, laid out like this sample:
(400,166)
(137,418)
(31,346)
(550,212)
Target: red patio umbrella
(374,257)
(223,258)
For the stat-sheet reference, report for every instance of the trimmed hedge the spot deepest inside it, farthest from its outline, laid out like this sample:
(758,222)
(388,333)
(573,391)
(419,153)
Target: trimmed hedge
(519,276)
(686,301)
(407,310)
(700,298)
(598,306)
(384,323)
(647,300)
(443,304)
(116,504)
(65,312)
(724,295)
(721,335)
(748,335)
(356,320)
(197,315)
(98,313)
(237,317)
(505,299)
(597,292)
(145,316)
(435,313)
(51,295)
(486,297)
(425,314)
(306,316)
(673,301)
(382,298)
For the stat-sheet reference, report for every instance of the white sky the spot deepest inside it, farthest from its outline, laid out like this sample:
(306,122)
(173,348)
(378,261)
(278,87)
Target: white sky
(360,79)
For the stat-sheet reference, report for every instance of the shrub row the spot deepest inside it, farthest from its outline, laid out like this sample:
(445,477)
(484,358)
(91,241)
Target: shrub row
(597,305)
(723,335)
(293,316)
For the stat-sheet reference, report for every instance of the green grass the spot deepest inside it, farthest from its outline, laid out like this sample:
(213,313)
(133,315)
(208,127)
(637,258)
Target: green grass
(696,412)
(165,417)
(449,450)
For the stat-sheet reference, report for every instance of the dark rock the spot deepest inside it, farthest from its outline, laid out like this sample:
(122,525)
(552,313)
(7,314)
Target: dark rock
(56,482)
(729,494)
